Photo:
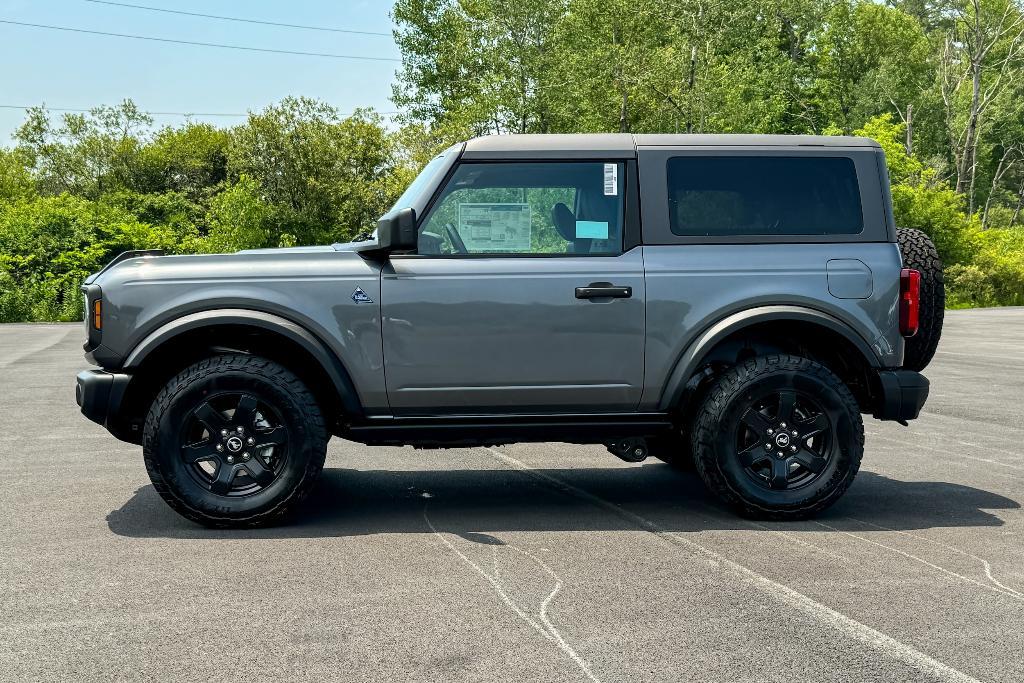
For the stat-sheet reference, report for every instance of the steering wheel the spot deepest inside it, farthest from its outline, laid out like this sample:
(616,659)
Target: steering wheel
(455,238)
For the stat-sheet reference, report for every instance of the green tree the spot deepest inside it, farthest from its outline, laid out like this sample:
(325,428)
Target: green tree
(240,219)
(16,181)
(330,178)
(872,59)
(191,160)
(473,67)
(920,199)
(88,154)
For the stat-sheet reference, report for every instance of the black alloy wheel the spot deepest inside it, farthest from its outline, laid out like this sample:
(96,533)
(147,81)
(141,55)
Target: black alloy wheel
(234,440)
(784,440)
(778,437)
(234,445)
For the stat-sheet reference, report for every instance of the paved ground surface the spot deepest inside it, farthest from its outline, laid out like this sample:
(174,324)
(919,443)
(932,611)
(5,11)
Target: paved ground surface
(535,562)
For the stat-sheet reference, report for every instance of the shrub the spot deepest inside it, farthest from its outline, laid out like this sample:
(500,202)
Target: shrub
(968,286)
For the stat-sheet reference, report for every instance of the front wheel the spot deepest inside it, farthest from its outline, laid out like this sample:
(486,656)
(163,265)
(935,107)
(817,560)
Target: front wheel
(778,437)
(234,441)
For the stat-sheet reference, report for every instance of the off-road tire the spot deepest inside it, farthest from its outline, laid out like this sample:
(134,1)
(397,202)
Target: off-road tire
(920,254)
(274,386)
(720,416)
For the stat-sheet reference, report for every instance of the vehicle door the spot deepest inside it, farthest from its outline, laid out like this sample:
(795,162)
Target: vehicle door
(520,297)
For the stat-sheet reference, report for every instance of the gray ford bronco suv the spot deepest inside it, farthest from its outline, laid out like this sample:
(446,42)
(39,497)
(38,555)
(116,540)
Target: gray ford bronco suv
(731,304)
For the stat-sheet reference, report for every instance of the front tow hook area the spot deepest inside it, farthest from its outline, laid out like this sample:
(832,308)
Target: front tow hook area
(98,393)
(633,449)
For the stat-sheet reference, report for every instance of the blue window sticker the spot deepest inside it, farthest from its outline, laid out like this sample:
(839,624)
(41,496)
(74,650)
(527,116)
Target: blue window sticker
(592,230)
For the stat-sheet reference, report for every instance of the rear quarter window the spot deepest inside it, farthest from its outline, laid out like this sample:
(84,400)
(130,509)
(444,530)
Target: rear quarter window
(763,195)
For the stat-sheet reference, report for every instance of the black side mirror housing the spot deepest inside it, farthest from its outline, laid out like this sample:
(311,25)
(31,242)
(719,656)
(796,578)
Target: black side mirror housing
(396,232)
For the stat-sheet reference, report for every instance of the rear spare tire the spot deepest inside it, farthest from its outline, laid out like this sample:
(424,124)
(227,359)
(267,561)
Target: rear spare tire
(920,254)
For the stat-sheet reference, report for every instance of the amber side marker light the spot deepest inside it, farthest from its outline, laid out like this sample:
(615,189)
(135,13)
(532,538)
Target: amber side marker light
(97,314)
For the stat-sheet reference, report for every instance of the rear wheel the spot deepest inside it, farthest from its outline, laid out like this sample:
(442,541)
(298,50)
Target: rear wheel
(778,437)
(234,440)
(920,253)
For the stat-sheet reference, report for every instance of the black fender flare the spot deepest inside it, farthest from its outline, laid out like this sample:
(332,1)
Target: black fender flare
(694,354)
(327,359)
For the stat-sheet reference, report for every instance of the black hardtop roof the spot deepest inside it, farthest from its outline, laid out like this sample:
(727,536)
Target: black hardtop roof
(624,145)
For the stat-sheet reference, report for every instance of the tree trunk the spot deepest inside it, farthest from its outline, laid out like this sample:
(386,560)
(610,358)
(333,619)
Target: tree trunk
(623,113)
(624,106)
(910,130)
(1016,209)
(689,85)
(1001,169)
(969,158)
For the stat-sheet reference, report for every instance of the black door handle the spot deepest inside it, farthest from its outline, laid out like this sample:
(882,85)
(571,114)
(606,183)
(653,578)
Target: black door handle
(603,290)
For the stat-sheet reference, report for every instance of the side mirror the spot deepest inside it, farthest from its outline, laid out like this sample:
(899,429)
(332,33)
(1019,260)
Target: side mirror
(396,231)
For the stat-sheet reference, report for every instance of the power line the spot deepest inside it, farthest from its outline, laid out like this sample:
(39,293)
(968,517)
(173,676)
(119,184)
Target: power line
(161,113)
(193,42)
(152,113)
(239,19)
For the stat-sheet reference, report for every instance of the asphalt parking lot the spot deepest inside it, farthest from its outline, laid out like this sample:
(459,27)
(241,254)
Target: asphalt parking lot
(539,562)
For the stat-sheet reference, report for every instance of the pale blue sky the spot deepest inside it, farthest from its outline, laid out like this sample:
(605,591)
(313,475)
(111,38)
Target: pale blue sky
(81,71)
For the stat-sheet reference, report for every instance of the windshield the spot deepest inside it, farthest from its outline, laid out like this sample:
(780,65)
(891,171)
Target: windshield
(421,180)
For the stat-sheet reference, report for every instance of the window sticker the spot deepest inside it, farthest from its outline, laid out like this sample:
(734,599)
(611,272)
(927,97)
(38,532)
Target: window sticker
(611,180)
(495,227)
(592,230)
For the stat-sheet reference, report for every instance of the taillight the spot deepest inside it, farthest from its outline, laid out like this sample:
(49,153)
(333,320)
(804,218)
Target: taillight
(910,301)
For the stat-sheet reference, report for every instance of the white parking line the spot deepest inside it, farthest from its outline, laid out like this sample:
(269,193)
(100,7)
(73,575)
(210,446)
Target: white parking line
(837,620)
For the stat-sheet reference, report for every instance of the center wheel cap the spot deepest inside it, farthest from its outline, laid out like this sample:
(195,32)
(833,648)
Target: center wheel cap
(234,444)
(782,440)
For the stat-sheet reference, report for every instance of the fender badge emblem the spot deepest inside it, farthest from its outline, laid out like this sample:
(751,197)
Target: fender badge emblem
(359,296)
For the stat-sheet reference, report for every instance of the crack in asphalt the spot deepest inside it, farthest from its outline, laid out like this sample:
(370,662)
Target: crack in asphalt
(997,588)
(780,592)
(546,628)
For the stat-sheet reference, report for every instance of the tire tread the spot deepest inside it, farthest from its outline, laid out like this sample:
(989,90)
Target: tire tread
(707,424)
(268,370)
(919,252)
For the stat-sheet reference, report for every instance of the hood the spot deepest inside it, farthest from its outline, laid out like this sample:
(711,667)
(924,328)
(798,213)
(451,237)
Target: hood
(281,262)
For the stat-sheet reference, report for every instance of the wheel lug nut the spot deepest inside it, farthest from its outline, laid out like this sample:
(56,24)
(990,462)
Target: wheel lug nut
(783,425)
(250,441)
(793,448)
(231,458)
(241,429)
(223,432)
(220,447)
(781,454)
(245,455)
(770,432)
(795,433)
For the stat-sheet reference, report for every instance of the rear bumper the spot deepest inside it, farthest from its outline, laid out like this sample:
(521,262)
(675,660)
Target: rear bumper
(902,395)
(99,394)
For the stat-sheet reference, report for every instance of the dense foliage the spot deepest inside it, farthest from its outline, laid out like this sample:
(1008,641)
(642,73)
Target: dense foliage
(75,194)
(939,83)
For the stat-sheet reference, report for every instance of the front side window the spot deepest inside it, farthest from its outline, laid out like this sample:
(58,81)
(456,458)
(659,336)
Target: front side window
(527,208)
(719,196)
